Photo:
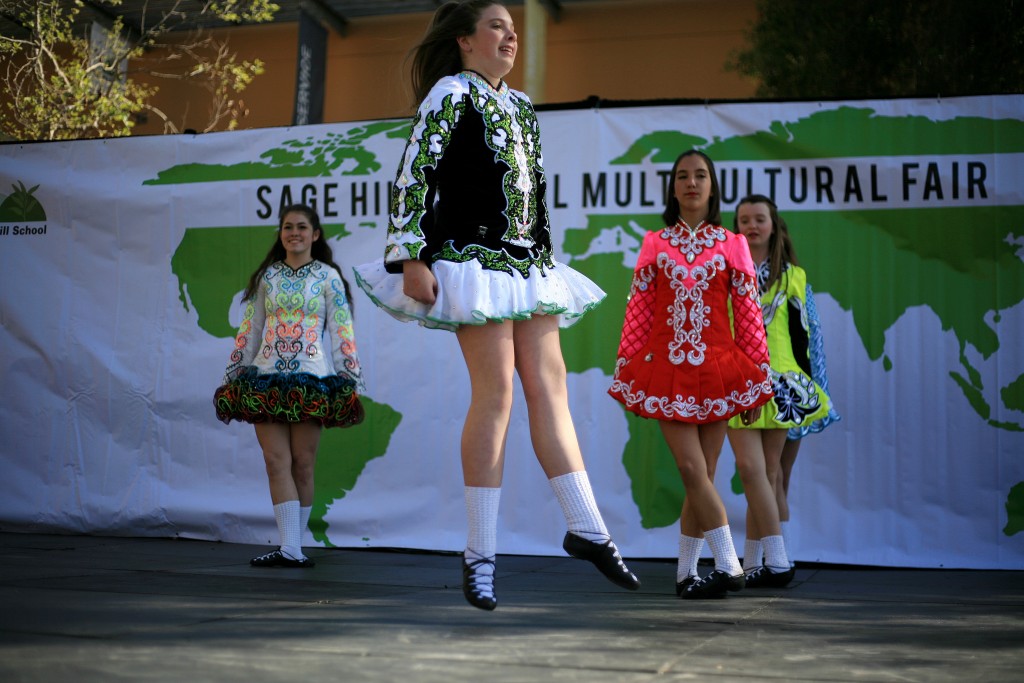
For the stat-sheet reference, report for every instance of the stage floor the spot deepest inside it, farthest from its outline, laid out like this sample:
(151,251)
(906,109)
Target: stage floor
(84,609)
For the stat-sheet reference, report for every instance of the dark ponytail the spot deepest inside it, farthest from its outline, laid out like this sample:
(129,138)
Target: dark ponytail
(438,54)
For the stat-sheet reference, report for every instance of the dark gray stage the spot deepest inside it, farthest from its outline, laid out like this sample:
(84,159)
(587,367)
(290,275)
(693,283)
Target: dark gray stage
(83,609)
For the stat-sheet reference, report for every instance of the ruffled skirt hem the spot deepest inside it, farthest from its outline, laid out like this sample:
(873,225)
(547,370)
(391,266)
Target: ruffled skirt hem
(719,389)
(289,398)
(797,403)
(469,295)
(814,427)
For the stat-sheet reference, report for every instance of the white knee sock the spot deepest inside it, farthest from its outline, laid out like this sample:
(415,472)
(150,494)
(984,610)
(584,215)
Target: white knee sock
(775,557)
(720,540)
(287,516)
(482,515)
(784,524)
(578,505)
(752,551)
(482,540)
(304,514)
(689,553)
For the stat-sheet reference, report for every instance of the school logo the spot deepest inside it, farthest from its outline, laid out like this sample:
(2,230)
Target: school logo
(21,213)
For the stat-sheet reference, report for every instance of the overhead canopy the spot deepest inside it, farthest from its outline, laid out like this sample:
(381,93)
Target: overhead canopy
(333,14)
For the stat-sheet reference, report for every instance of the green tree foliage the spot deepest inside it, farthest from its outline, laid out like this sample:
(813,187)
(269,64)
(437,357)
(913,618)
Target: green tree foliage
(892,48)
(61,81)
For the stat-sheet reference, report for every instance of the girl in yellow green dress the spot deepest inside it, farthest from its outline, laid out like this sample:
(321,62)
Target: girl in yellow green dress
(798,399)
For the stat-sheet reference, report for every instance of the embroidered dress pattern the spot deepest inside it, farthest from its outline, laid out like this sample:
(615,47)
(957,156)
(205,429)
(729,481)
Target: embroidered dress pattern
(469,200)
(431,132)
(295,357)
(512,137)
(798,400)
(819,371)
(678,357)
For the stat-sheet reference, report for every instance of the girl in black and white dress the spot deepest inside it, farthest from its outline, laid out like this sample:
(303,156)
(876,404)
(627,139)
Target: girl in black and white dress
(469,250)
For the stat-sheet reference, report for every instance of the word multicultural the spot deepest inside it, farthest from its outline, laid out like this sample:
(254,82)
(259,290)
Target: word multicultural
(828,185)
(875,183)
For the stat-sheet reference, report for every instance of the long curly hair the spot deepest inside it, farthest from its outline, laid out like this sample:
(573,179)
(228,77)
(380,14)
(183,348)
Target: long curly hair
(321,251)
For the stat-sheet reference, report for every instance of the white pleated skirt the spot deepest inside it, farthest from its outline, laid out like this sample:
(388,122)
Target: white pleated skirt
(469,295)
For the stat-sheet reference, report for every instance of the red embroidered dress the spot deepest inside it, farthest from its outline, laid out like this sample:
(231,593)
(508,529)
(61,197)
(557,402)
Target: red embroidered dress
(678,358)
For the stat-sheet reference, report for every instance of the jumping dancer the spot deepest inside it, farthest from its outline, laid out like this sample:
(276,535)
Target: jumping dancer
(469,250)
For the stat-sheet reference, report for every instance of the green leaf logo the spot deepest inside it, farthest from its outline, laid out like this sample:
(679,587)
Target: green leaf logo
(21,206)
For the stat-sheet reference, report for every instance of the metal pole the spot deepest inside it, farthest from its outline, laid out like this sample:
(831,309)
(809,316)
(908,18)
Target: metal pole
(534,41)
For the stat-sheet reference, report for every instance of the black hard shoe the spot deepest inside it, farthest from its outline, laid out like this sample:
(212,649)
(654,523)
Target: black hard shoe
(714,585)
(278,559)
(473,581)
(763,577)
(684,584)
(605,557)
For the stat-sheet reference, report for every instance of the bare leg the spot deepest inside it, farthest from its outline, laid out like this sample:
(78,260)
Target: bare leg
(541,368)
(772,442)
(789,453)
(758,452)
(275,440)
(711,437)
(753,531)
(305,439)
(702,508)
(751,464)
(489,354)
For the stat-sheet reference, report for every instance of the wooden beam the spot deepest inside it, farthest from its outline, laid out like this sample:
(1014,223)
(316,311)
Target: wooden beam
(326,16)
(11,26)
(108,17)
(554,8)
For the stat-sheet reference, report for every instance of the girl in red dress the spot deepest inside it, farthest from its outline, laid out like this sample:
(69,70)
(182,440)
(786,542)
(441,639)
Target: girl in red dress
(685,361)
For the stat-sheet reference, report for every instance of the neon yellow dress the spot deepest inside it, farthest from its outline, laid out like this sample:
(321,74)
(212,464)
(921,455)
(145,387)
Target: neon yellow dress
(798,400)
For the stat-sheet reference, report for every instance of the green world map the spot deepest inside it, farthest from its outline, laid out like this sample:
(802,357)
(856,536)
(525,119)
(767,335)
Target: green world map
(962,265)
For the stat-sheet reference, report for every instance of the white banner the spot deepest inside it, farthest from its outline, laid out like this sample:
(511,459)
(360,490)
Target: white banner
(122,263)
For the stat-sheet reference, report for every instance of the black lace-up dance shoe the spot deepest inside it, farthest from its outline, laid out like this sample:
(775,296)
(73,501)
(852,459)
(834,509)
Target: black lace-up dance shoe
(475,584)
(605,557)
(681,586)
(278,559)
(714,585)
(763,577)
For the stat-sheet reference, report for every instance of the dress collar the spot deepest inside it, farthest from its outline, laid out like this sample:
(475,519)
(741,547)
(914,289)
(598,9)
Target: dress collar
(304,266)
(477,78)
(691,242)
